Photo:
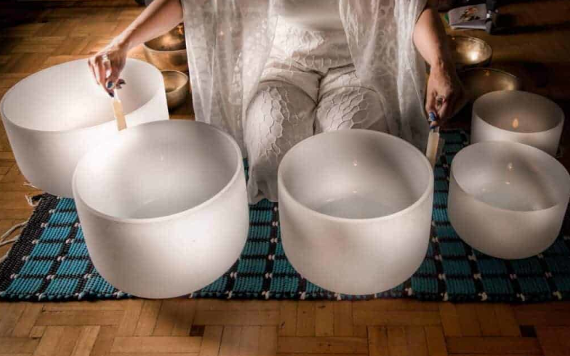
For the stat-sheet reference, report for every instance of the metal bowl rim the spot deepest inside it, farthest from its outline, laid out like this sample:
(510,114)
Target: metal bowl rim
(186,78)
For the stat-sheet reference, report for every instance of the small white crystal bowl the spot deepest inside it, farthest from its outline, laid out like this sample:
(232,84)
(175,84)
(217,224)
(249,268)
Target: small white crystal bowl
(163,207)
(355,209)
(517,116)
(507,199)
(53,117)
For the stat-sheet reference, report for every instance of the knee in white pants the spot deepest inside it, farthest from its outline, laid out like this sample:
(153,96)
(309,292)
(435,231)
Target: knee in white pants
(350,107)
(279,116)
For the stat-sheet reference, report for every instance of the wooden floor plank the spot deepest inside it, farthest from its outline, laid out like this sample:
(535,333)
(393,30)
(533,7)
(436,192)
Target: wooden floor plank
(324,318)
(86,340)
(148,317)
(378,341)
(488,322)
(450,319)
(395,305)
(420,318)
(468,320)
(322,345)
(85,305)
(48,345)
(27,320)
(80,318)
(130,317)
(17,345)
(268,341)
(104,341)
(230,341)
(249,341)
(542,318)
(184,318)
(166,318)
(306,319)
(243,318)
(10,318)
(435,341)
(211,341)
(506,320)
(287,318)
(145,344)
(493,345)
(68,340)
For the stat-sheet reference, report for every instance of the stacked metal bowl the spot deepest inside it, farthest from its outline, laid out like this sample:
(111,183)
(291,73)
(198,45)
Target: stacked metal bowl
(168,54)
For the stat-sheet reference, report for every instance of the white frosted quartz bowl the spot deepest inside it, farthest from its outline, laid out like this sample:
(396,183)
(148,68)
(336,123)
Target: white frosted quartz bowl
(55,116)
(507,199)
(355,209)
(517,116)
(163,207)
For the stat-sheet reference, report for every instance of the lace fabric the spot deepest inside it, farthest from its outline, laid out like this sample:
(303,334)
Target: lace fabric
(229,42)
(308,86)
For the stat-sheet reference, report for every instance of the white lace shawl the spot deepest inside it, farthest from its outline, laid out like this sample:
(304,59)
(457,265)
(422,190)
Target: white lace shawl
(228,42)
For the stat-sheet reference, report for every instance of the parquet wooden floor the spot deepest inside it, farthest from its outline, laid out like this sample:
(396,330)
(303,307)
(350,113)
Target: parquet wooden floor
(42,34)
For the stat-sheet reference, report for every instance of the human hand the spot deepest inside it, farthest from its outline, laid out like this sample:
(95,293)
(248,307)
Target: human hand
(445,94)
(106,66)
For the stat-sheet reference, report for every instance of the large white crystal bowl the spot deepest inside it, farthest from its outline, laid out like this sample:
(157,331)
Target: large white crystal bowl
(507,199)
(517,116)
(163,207)
(55,116)
(355,209)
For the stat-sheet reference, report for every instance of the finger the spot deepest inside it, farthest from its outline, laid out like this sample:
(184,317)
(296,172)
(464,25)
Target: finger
(110,75)
(443,111)
(430,103)
(92,70)
(100,70)
(433,119)
(120,84)
(112,80)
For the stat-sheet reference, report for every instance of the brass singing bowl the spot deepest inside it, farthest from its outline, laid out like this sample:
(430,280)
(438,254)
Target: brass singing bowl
(176,86)
(470,52)
(168,52)
(480,81)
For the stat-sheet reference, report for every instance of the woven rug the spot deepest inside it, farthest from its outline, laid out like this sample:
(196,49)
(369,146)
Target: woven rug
(50,261)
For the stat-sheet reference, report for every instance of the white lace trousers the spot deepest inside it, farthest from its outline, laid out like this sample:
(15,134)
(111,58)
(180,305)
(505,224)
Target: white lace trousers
(309,86)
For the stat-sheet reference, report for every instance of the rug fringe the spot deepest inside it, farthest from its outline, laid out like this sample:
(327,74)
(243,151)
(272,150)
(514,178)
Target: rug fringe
(28,184)
(15,239)
(12,229)
(7,242)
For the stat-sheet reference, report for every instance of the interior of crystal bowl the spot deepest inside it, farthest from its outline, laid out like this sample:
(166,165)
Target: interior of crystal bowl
(511,176)
(518,111)
(355,174)
(66,96)
(157,169)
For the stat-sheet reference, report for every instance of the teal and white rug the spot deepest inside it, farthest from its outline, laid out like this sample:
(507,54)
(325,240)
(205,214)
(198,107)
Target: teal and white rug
(50,261)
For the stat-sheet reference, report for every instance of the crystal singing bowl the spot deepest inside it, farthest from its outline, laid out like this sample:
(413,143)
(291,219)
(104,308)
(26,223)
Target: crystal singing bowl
(507,199)
(355,210)
(469,52)
(519,117)
(55,116)
(480,81)
(163,207)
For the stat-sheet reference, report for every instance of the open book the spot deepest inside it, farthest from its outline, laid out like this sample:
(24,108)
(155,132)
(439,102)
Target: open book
(469,17)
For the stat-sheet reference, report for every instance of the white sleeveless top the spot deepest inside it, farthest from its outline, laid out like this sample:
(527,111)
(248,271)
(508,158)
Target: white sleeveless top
(315,15)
